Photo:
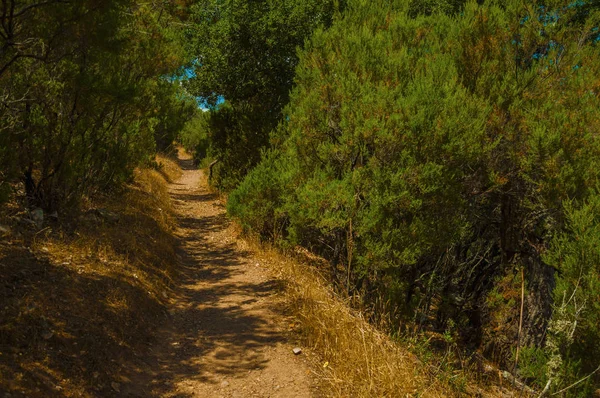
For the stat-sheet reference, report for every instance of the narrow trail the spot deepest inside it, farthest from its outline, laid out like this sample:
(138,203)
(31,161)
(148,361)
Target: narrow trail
(225,336)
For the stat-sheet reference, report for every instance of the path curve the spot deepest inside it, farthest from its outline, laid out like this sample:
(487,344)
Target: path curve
(226,334)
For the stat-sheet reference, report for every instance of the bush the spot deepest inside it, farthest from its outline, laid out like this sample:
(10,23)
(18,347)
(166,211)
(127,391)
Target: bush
(84,99)
(429,157)
(195,135)
(574,331)
(247,53)
(258,199)
(236,137)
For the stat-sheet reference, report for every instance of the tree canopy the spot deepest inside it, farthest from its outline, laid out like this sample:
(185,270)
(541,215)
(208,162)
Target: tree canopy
(83,93)
(246,52)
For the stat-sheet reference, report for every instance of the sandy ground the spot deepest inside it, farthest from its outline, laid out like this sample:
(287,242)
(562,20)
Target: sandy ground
(227,335)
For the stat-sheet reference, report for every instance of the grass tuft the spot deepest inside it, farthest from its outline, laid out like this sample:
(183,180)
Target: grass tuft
(168,167)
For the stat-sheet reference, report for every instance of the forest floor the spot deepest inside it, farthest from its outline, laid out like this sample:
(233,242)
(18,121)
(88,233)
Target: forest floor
(226,335)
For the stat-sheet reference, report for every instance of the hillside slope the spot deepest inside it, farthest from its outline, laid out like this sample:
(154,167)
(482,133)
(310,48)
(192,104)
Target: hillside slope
(142,299)
(156,294)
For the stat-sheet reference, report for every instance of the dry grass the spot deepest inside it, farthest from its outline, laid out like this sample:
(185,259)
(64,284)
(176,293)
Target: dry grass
(355,359)
(80,305)
(168,167)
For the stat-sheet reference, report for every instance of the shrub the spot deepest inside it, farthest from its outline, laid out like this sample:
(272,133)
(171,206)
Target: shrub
(195,135)
(258,199)
(574,331)
(83,98)
(429,157)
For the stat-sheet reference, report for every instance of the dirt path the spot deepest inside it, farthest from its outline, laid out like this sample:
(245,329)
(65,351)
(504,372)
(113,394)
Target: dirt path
(226,337)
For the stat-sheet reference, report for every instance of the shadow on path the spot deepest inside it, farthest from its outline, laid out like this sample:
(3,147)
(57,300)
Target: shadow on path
(218,325)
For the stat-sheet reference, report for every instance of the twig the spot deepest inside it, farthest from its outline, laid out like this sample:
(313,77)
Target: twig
(577,382)
(545,390)
(520,318)
(41,230)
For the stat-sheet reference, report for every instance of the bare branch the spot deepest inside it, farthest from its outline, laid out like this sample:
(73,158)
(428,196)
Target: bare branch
(43,3)
(577,382)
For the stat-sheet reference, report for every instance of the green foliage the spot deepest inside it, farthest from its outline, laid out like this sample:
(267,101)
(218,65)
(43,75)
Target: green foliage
(83,93)
(234,142)
(195,135)
(574,330)
(174,110)
(428,7)
(246,52)
(429,157)
(257,200)
(533,366)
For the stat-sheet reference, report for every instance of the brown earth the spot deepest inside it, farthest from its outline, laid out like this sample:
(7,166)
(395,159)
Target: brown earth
(226,335)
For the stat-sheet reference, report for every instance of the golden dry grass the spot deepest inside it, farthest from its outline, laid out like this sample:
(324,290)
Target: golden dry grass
(80,305)
(355,359)
(168,167)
